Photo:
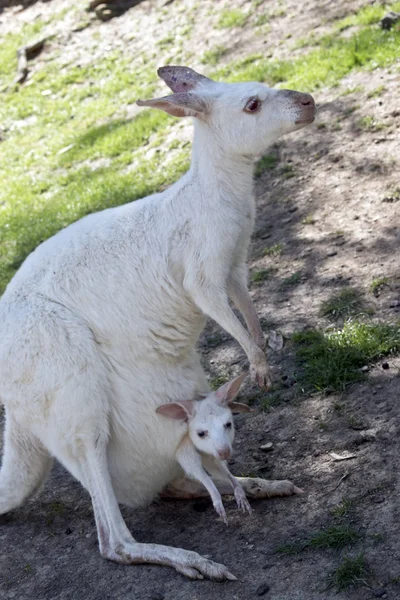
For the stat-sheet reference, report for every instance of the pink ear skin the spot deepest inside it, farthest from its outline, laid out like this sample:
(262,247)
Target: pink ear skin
(177,105)
(238,407)
(228,392)
(179,411)
(181,79)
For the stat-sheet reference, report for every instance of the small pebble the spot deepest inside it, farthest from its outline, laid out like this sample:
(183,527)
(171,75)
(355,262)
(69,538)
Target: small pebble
(378,499)
(379,592)
(267,447)
(262,589)
(385,366)
(364,369)
(394,303)
(332,253)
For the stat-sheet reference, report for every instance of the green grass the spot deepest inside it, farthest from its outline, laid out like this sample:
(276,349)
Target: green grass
(292,280)
(216,382)
(266,163)
(308,220)
(368,123)
(270,400)
(350,572)
(261,275)
(334,58)
(213,56)
(343,304)
(377,92)
(231,18)
(332,360)
(334,537)
(342,509)
(378,284)
(273,250)
(288,171)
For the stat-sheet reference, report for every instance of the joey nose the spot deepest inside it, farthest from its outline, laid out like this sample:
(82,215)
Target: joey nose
(224,453)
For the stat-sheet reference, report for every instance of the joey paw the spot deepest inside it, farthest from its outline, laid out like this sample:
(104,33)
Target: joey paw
(241,501)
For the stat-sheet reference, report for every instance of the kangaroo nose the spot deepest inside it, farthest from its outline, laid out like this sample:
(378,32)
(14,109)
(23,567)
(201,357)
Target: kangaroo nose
(305,99)
(224,453)
(300,98)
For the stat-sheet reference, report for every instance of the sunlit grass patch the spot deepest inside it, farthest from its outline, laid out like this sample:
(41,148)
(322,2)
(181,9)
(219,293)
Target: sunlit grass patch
(333,58)
(213,56)
(266,163)
(232,18)
(332,360)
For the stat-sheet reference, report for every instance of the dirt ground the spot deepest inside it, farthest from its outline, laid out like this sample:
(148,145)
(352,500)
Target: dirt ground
(336,218)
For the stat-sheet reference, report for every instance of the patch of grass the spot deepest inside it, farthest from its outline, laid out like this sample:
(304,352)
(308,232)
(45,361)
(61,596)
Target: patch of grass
(216,382)
(344,304)
(335,537)
(368,15)
(350,572)
(342,509)
(377,92)
(287,171)
(213,56)
(332,360)
(333,58)
(357,89)
(308,220)
(378,284)
(368,123)
(232,18)
(266,163)
(166,42)
(261,275)
(270,400)
(273,250)
(393,195)
(292,280)
(261,20)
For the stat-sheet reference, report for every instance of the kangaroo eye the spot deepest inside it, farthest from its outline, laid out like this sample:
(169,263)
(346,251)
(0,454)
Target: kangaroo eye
(228,425)
(253,105)
(202,433)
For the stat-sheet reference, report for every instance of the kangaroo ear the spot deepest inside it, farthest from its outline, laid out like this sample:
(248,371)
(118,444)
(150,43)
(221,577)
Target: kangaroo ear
(180,411)
(182,79)
(178,105)
(228,392)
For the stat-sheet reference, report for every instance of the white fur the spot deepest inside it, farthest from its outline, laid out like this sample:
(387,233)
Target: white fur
(99,325)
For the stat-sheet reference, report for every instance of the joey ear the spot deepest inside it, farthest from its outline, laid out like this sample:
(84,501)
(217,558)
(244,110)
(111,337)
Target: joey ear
(228,392)
(180,411)
(238,407)
(182,79)
(178,105)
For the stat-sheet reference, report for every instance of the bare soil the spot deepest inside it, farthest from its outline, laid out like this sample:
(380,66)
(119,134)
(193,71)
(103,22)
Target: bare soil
(338,223)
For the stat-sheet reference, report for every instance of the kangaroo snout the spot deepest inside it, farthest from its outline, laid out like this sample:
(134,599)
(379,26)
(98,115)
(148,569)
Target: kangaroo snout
(305,104)
(224,453)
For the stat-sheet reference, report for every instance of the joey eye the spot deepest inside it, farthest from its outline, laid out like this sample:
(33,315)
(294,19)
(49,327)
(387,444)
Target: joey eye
(228,425)
(202,433)
(253,105)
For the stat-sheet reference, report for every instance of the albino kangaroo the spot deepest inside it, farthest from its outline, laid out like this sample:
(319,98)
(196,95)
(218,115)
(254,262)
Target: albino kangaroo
(99,325)
(207,442)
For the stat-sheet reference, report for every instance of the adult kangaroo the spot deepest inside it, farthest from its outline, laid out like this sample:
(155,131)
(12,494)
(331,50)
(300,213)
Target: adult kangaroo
(99,325)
